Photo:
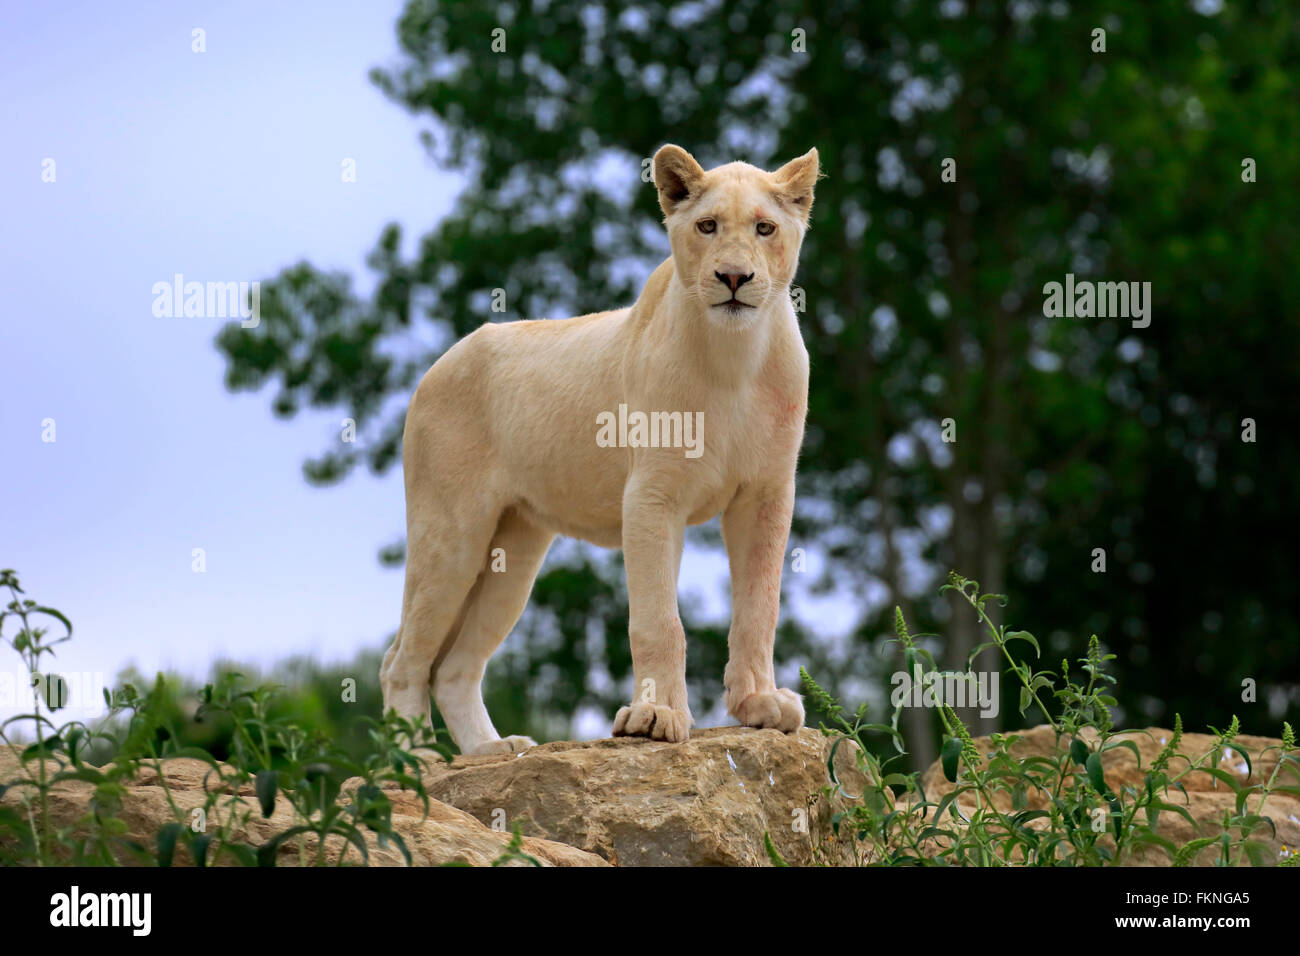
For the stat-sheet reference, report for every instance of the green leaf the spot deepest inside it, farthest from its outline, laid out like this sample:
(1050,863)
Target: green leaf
(1233,783)
(947,800)
(401,845)
(167,836)
(1242,796)
(1128,744)
(772,854)
(1252,820)
(265,787)
(268,851)
(830,769)
(1026,815)
(83,773)
(55,614)
(1258,853)
(354,837)
(1188,852)
(979,649)
(1024,636)
(46,747)
(199,847)
(1159,805)
(1250,770)
(1078,751)
(1143,837)
(243,853)
(1095,775)
(899,741)
(950,754)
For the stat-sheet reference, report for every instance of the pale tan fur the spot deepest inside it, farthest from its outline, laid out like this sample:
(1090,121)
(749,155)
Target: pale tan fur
(500,451)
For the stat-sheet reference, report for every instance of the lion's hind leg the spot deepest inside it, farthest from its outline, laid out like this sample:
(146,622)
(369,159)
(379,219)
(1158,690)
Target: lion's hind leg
(494,607)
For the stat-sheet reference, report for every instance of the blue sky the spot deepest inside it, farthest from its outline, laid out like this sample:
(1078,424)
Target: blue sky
(223,166)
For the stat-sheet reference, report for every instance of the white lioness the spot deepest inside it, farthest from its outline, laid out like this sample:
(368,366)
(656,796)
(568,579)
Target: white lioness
(510,440)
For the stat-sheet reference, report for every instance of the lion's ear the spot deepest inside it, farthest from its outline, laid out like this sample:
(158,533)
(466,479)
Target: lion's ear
(677,176)
(795,181)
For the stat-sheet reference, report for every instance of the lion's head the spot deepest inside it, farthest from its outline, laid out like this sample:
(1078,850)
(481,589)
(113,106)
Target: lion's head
(736,230)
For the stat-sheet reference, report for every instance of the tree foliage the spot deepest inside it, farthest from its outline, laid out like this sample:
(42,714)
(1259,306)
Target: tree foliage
(923,304)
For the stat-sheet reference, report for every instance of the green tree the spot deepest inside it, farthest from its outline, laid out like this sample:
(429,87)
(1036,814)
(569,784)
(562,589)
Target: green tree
(924,309)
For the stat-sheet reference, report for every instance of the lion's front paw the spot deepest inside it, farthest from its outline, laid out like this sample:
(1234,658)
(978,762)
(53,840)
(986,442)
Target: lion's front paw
(780,709)
(652,720)
(503,745)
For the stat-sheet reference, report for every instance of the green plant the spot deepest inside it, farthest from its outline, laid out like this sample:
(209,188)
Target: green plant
(277,758)
(33,835)
(1042,809)
(270,754)
(514,850)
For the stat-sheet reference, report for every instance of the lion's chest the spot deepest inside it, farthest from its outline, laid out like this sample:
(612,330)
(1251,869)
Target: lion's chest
(755,441)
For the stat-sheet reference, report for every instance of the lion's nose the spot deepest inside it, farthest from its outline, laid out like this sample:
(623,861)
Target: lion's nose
(733,280)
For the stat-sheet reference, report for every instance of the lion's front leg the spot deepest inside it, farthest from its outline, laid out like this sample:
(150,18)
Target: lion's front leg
(756,526)
(652,553)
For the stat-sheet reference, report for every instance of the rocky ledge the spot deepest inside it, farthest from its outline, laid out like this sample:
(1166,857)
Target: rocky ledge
(707,802)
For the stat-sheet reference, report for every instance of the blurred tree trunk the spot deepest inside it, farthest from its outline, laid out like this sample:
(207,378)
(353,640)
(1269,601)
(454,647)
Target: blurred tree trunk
(994,451)
(918,722)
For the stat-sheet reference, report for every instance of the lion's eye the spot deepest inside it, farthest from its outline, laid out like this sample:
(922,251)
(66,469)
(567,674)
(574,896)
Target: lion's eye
(766,228)
(706,226)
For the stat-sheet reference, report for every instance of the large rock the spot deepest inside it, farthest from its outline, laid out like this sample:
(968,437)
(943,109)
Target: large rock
(446,835)
(639,802)
(705,802)
(1206,800)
